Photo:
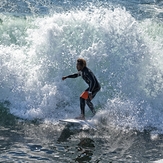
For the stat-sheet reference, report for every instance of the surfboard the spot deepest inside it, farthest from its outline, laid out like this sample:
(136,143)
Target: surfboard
(79,122)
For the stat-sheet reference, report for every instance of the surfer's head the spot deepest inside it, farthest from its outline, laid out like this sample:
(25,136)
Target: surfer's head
(81,63)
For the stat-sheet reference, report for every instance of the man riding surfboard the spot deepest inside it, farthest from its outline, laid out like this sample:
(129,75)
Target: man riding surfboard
(91,91)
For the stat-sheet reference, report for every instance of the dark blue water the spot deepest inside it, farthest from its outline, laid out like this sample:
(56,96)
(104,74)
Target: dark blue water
(122,42)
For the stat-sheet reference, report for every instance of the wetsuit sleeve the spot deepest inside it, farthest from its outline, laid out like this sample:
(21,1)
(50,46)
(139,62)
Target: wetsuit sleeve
(74,75)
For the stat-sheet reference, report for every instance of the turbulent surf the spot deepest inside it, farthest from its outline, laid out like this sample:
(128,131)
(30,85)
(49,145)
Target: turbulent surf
(122,43)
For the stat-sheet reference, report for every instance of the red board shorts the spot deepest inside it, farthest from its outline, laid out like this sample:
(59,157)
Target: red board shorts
(84,95)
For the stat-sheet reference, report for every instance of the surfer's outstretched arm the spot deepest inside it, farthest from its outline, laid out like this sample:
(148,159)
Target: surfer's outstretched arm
(71,76)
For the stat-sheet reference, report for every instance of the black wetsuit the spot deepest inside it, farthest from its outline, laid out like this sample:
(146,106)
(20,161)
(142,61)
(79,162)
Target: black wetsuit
(94,87)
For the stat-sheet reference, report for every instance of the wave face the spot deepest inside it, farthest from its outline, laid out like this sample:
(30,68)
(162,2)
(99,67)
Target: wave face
(124,51)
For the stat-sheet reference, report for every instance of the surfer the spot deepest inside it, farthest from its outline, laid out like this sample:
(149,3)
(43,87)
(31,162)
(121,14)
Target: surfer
(91,91)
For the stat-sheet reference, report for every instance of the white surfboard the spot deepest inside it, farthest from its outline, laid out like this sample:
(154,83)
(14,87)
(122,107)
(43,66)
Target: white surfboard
(79,122)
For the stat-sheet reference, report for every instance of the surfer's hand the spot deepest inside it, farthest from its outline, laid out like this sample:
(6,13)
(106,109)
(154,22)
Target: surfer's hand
(63,78)
(90,95)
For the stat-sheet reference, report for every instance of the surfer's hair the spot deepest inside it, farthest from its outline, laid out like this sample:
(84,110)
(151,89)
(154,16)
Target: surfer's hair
(82,62)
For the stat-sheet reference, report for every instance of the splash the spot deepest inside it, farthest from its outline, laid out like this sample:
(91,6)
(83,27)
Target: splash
(37,51)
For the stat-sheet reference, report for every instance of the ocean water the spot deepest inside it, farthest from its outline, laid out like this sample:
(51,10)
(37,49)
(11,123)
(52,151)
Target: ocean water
(122,42)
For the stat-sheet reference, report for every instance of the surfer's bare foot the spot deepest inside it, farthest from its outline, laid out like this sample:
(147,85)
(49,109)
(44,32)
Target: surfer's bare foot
(81,117)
